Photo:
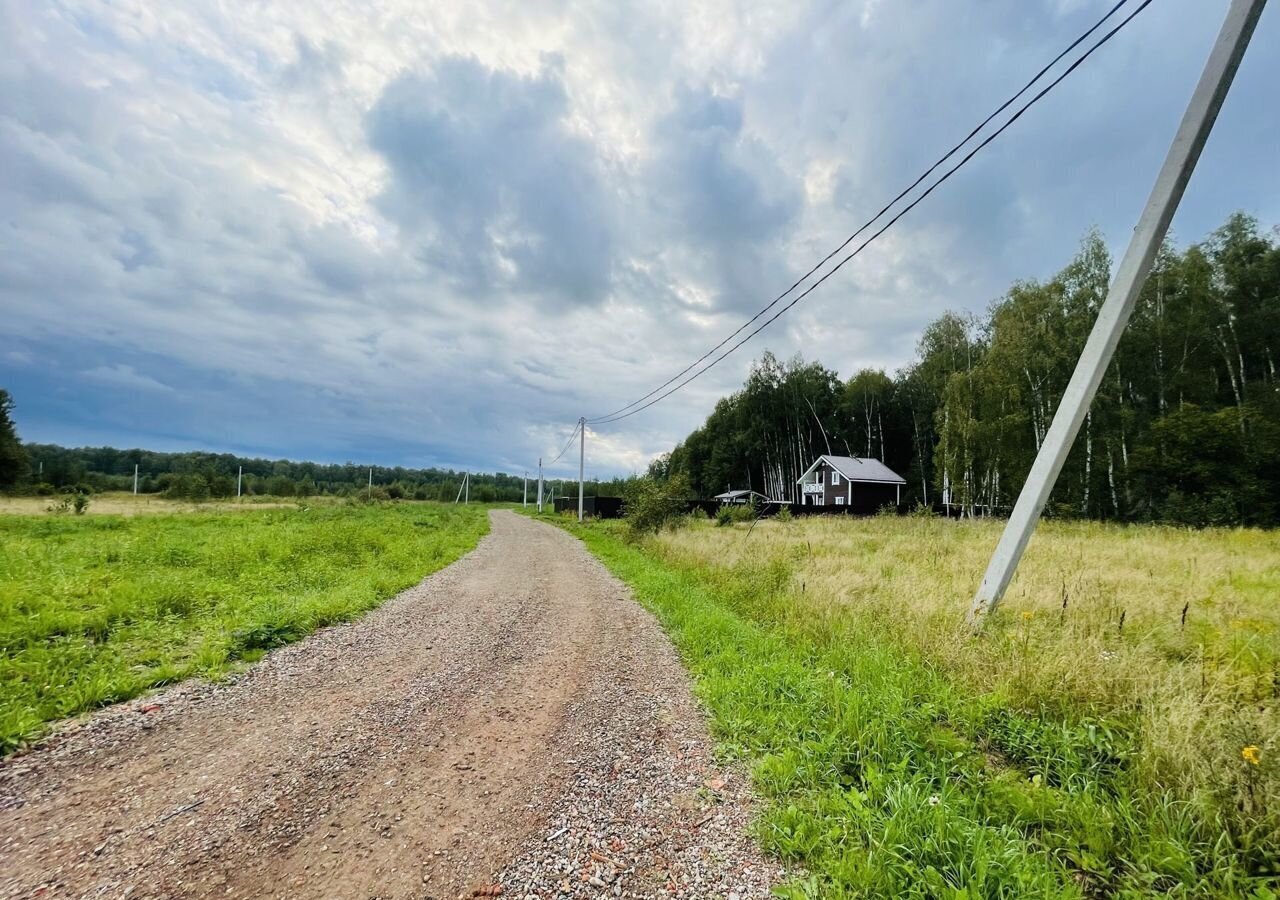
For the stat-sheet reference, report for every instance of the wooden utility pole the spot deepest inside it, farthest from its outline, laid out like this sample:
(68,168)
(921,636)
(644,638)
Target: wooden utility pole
(1171,182)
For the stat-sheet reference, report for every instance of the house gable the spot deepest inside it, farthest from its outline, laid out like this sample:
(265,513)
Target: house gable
(855,469)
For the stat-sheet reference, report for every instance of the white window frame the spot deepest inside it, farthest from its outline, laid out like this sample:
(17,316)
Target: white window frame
(839,501)
(835,478)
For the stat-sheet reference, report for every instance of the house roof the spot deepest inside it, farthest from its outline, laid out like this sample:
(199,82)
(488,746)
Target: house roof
(732,495)
(857,468)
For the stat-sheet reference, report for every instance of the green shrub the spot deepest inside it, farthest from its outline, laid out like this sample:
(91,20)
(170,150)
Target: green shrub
(649,505)
(697,515)
(188,487)
(784,513)
(279,486)
(728,514)
(80,504)
(264,636)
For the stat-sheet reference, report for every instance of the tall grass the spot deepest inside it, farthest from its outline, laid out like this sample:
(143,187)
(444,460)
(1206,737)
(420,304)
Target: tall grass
(98,609)
(1062,754)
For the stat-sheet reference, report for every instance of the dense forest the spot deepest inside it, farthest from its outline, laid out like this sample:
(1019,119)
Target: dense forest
(1185,428)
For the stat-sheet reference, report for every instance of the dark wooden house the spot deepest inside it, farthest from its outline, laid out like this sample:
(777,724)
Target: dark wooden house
(859,484)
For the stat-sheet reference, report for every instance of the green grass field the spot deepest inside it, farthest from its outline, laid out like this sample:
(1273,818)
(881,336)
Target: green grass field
(1063,754)
(96,609)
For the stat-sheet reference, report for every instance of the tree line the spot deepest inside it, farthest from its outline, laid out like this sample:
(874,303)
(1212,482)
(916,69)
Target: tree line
(52,469)
(1185,428)
(48,468)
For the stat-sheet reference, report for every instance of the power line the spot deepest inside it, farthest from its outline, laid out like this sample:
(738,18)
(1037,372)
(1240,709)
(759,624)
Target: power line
(617,413)
(623,413)
(567,445)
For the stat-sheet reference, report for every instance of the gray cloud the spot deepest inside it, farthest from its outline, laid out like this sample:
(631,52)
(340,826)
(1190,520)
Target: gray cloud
(441,236)
(489,180)
(722,190)
(722,185)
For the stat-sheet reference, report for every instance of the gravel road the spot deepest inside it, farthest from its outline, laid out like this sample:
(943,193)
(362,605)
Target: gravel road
(515,725)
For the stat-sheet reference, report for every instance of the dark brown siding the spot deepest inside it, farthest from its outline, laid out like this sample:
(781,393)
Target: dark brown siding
(835,490)
(830,489)
(868,496)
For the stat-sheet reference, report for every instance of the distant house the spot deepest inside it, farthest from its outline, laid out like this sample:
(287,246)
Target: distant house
(862,484)
(739,497)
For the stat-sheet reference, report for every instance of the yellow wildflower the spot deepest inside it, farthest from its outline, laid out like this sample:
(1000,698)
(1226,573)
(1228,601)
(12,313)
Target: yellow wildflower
(1026,615)
(1251,754)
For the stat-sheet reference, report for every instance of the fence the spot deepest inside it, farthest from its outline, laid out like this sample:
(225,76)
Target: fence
(596,507)
(611,507)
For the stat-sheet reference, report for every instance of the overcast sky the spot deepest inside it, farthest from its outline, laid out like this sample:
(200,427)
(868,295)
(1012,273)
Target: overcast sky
(435,233)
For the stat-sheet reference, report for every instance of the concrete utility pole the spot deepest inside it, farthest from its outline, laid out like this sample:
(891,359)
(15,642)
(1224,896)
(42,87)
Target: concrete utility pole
(135,479)
(1172,180)
(466,483)
(539,484)
(582,461)
(370,482)
(239,481)
(525,501)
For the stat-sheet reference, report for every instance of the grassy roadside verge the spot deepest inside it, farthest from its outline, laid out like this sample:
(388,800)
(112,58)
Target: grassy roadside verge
(882,775)
(97,609)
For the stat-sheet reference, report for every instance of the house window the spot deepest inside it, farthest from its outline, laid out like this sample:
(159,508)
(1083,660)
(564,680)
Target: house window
(839,501)
(835,479)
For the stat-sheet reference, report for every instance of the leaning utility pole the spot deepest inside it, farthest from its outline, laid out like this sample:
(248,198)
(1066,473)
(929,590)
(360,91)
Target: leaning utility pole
(239,481)
(1170,184)
(371,482)
(582,461)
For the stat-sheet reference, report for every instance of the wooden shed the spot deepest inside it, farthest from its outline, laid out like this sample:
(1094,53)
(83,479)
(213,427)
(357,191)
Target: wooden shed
(739,497)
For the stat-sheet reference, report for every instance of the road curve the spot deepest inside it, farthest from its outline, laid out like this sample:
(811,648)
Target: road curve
(515,720)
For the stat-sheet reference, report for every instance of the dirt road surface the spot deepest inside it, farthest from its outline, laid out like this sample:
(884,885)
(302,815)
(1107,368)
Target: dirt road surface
(516,722)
